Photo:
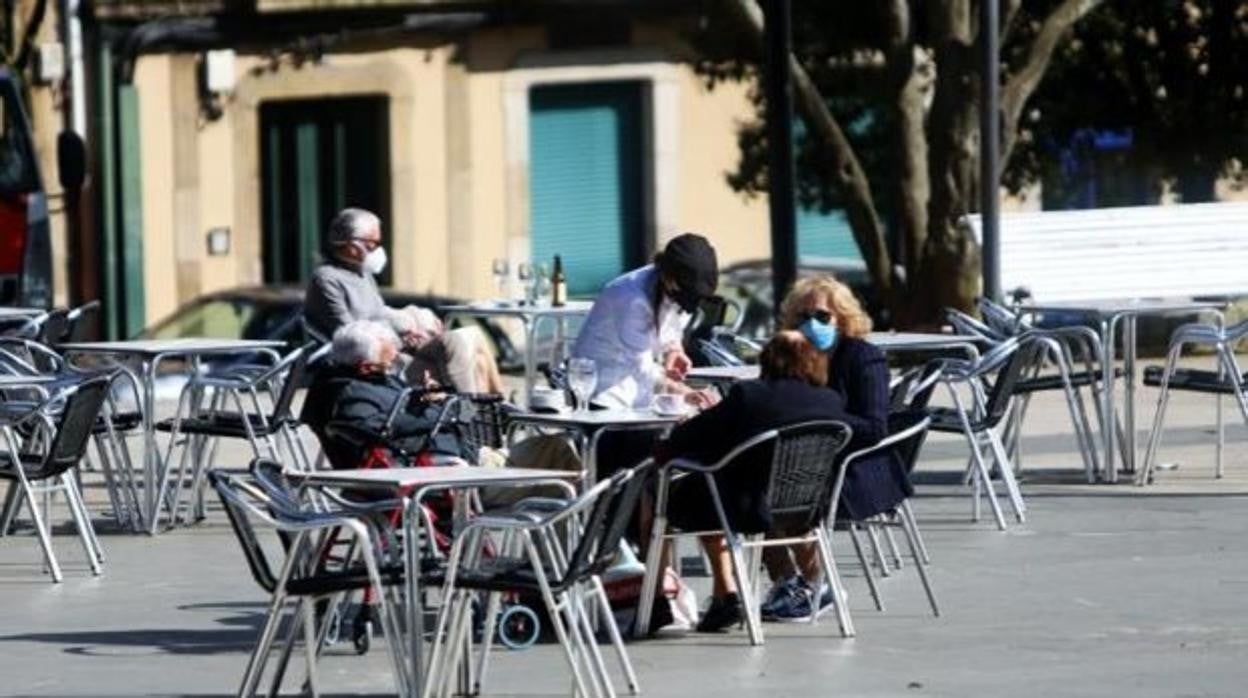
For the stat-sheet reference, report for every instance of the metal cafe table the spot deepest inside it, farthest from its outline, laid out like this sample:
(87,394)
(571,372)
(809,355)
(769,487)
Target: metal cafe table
(532,317)
(150,354)
(1110,315)
(414,485)
(587,428)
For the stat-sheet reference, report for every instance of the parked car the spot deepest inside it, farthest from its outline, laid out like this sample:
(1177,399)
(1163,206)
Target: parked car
(25,248)
(275,312)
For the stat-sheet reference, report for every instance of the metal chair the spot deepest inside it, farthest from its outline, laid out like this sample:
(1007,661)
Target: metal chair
(804,469)
(1055,351)
(908,431)
(980,421)
(534,560)
(62,426)
(200,429)
(1226,380)
(302,578)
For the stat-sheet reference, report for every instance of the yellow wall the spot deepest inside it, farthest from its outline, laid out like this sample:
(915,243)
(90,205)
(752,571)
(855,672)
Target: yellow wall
(454,172)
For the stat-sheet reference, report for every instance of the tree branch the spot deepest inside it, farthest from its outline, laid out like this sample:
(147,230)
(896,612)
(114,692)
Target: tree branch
(852,181)
(1023,83)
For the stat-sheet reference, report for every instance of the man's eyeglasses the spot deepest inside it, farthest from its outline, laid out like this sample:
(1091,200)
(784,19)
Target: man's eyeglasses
(368,244)
(821,315)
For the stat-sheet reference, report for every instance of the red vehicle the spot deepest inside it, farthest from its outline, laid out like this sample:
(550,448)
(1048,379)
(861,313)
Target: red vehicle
(25,249)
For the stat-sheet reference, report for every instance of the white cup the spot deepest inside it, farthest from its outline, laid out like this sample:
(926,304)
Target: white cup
(668,403)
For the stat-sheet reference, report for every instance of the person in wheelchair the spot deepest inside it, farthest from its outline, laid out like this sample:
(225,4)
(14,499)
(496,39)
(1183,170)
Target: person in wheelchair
(356,403)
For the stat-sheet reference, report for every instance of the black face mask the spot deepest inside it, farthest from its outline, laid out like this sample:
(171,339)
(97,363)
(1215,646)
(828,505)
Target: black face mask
(688,300)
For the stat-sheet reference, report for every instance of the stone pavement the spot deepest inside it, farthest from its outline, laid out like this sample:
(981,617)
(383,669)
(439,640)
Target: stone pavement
(1105,591)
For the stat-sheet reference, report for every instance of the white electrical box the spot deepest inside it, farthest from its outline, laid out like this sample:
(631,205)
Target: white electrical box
(50,62)
(219,70)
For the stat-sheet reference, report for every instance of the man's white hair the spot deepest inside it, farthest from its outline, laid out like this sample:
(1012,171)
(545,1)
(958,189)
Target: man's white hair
(351,223)
(361,342)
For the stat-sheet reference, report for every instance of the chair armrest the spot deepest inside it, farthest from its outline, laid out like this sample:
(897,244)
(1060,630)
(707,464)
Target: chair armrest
(887,442)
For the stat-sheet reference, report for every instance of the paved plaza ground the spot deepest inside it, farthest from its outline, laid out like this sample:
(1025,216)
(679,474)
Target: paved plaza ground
(1105,591)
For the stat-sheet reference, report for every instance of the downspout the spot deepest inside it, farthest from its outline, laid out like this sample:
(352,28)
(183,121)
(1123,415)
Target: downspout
(77,77)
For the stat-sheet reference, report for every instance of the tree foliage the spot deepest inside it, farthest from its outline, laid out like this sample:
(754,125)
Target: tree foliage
(888,93)
(1168,77)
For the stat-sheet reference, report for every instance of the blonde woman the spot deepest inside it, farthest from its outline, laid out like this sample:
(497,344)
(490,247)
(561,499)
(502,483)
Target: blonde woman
(830,316)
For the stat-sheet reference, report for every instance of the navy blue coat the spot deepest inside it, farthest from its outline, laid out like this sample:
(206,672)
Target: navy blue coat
(858,373)
(749,409)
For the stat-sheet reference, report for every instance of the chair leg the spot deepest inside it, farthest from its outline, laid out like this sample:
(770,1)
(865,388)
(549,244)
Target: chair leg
(874,536)
(918,538)
(911,531)
(1159,417)
(650,583)
(980,465)
(45,541)
(833,576)
(82,521)
(866,568)
(593,655)
(12,502)
(892,543)
(1007,476)
(309,644)
(749,601)
(626,665)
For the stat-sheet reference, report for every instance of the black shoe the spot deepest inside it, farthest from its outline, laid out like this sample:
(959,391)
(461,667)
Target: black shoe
(721,615)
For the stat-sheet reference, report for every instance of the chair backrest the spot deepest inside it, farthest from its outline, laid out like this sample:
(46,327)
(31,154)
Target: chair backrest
(1019,357)
(482,422)
(804,464)
(907,431)
(1000,318)
(242,503)
(965,324)
(298,360)
(55,327)
(74,425)
(615,501)
(80,321)
(270,477)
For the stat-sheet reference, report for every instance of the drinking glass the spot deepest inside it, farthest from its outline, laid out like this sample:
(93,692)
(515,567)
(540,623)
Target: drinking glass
(541,286)
(582,379)
(524,272)
(500,268)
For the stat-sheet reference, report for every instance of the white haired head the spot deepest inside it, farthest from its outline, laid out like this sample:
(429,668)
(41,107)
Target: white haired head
(364,342)
(350,224)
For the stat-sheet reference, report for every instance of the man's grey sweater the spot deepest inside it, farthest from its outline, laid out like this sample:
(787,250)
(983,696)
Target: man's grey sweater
(338,294)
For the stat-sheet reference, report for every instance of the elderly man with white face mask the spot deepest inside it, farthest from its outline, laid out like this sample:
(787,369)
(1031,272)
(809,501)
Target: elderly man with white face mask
(343,289)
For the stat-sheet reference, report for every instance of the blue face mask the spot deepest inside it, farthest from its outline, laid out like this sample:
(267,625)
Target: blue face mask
(820,334)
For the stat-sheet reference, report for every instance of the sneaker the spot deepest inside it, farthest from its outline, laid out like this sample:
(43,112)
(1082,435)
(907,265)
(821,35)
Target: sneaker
(797,606)
(721,614)
(778,596)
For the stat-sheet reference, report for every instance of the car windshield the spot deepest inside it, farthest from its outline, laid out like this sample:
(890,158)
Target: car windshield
(223,319)
(17,167)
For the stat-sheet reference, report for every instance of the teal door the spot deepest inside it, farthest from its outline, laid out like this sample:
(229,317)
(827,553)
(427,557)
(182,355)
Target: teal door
(319,156)
(825,235)
(586,180)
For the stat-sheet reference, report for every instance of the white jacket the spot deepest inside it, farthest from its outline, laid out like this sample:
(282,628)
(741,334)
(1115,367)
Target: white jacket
(626,341)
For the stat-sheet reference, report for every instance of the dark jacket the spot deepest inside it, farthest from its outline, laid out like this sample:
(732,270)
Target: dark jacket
(858,373)
(364,402)
(749,409)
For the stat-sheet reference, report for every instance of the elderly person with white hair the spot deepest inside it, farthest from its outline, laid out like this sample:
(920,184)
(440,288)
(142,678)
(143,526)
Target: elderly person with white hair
(359,389)
(343,289)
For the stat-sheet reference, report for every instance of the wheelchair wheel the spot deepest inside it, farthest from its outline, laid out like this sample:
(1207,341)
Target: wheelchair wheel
(518,627)
(362,630)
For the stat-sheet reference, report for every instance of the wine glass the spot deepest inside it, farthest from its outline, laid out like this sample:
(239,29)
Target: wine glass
(541,286)
(524,272)
(582,379)
(500,268)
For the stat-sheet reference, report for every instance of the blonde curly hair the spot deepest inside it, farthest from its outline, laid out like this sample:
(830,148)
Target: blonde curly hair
(851,319)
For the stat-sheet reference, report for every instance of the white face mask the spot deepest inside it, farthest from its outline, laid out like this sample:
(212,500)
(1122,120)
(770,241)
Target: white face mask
(375,262)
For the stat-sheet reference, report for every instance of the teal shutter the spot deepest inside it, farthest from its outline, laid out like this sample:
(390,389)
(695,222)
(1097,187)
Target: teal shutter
(825,235)
(585,179)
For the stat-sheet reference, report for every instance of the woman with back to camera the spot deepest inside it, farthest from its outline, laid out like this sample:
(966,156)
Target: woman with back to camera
(828,314)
